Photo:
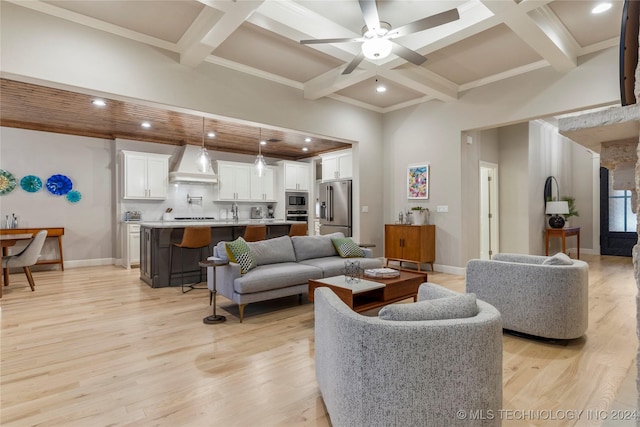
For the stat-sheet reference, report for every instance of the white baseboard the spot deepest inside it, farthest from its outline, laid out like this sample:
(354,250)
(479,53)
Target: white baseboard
(459,271)
(89,262)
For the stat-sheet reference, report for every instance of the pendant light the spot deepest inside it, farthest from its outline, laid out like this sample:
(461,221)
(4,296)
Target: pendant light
(260,163)
(203,159)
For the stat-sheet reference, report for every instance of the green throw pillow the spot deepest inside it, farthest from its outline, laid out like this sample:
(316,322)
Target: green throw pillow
(238,251)
(347,248)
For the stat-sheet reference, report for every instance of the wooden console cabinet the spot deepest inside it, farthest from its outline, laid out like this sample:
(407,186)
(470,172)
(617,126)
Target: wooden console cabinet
(410,243)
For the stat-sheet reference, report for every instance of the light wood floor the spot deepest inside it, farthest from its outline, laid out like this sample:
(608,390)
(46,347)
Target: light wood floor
(98,347)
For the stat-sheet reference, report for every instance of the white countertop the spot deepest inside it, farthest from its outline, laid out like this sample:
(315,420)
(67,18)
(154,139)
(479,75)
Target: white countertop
(212,223)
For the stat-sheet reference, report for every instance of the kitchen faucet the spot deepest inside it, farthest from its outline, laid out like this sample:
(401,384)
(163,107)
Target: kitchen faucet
(234,211)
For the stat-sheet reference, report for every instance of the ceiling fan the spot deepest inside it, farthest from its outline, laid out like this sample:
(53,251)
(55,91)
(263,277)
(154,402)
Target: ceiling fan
(377,36)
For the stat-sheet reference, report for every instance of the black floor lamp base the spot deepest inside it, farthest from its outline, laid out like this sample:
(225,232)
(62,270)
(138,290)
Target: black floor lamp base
(212,320)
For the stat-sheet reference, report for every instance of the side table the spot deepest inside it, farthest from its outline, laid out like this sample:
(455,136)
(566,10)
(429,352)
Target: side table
(563,233)
(213,263)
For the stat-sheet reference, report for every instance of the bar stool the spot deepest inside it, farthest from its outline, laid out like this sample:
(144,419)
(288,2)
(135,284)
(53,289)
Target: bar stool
(193,238)
(254,233)
(298,230)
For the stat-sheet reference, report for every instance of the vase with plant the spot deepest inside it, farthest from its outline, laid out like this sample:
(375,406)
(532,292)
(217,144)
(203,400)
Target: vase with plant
(420,215)
(571,202)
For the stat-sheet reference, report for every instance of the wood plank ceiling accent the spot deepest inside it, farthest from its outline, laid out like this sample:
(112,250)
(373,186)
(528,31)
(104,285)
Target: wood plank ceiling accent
(41,108)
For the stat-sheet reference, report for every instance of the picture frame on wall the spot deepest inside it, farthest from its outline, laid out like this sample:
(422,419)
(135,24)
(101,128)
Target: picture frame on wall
(418,181)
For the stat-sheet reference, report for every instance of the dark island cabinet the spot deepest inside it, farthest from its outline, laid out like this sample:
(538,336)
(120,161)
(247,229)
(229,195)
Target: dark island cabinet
(156,242)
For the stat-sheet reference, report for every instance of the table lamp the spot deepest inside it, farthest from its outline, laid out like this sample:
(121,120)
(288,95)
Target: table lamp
(555,209)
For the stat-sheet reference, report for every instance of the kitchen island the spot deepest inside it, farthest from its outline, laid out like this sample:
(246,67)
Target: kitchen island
(156,238)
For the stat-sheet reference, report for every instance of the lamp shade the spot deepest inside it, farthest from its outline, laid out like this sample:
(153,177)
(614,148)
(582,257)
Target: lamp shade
(557,208)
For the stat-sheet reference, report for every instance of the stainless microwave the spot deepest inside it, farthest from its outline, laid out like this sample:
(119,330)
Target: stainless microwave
(296,200)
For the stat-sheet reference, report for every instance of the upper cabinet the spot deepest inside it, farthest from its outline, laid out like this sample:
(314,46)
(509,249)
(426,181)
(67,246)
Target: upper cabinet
(263,187)
(240,182)
(145,175)
(234,181)
(296,176)
(337,166)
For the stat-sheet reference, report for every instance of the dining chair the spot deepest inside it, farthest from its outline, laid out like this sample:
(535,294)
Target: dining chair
(298,230)
(254,233)
(192,238)
(26,258)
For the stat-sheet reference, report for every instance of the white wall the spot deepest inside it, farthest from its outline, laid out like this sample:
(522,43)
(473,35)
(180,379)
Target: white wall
(434,130)
(88,163)
(40,48)
(43,49)
(515,206)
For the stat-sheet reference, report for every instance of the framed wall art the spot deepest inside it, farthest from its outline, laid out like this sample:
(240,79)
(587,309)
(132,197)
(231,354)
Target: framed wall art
(418,182)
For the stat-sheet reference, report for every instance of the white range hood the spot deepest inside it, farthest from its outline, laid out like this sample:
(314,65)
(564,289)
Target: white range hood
(185,169)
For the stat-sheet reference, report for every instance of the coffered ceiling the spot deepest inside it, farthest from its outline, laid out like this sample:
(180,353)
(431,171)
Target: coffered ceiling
(492,40)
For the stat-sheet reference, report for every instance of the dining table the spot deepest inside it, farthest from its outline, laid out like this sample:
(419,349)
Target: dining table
(7,240)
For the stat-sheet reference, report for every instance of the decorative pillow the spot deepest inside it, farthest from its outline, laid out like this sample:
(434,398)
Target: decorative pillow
(455,307)
(347,248)
(558,259)
(238,251)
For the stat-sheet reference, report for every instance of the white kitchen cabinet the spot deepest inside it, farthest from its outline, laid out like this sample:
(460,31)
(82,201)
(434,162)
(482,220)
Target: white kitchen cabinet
(296,176)
(234,181)
(145,175)
(130,245)
(337,166)
(263,187)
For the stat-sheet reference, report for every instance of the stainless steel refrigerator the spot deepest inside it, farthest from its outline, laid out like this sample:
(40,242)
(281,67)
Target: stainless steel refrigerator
(335,207)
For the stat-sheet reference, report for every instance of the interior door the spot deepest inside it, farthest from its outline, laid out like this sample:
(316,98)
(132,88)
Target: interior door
(488,210)
(618,223)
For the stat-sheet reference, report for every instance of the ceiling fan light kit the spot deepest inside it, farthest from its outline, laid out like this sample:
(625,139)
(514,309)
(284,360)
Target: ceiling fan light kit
(377,36)
(376,48)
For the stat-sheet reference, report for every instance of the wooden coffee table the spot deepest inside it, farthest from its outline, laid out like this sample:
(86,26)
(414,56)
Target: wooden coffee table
(368,292)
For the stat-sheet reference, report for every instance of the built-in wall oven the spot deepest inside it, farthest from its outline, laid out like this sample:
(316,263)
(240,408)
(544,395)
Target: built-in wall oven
(297,207)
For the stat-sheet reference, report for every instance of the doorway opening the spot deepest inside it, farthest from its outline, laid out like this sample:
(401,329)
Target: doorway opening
(617,222)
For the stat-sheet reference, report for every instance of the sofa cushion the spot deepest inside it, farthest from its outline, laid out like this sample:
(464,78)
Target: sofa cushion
(347,248)
(275,276)
(454,307)
(307,247)
(558,259)
(238,251)
(273,251)
(334,265)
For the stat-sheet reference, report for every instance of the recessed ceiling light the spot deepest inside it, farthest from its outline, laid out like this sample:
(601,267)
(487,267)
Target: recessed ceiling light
(146,125)
(99,102)
(263,142)
(211,135)
(307,139)
(305,149)
(381,88)
(600,8)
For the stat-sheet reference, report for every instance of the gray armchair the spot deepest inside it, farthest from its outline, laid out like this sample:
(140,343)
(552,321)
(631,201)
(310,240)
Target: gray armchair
(375,372)
(28,257)
(534,296)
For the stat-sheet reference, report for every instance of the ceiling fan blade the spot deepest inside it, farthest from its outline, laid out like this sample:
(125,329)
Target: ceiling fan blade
(320,41)
(369,10)
(428,22)
(407,54)
(354,63)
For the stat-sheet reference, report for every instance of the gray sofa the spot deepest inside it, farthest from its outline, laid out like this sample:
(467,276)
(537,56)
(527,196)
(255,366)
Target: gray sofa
(536,295)
(284,266)
(374,372)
